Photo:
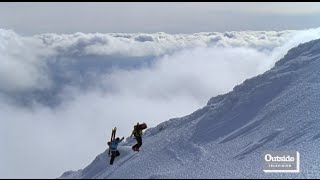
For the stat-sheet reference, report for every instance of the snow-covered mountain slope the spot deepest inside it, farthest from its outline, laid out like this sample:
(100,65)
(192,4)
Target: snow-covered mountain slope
(278,110)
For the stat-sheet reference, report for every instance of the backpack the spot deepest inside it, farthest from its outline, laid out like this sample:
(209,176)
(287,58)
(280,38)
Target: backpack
(141,126)
(138,129)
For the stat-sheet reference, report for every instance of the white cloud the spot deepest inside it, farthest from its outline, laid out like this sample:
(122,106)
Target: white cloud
(158,43)
(40,141)
(22,67)
(24,59)
(197,73)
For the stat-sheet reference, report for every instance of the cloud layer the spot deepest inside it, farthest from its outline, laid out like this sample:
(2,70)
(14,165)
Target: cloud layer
(107,80)
(32,63)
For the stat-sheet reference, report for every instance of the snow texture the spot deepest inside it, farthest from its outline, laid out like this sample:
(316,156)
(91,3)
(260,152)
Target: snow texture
(278,110)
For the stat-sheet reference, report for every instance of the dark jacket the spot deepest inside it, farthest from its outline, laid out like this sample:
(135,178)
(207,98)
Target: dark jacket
(137,132)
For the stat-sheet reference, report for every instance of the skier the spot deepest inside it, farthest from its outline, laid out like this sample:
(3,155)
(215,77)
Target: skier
(113,145)
(137,132)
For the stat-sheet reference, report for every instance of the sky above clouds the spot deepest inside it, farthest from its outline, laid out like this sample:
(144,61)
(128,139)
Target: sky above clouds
(150,17)
(69,72)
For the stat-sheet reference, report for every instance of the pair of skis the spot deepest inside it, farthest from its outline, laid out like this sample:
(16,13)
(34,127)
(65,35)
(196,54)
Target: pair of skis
(113,136)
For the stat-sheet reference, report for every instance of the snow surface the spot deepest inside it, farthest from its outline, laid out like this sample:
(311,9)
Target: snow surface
(278,110)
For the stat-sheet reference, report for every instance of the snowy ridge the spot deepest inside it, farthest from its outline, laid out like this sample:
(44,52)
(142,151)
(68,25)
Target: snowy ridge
(278,110)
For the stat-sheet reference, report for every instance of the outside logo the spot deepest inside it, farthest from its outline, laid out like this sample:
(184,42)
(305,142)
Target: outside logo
(281,162)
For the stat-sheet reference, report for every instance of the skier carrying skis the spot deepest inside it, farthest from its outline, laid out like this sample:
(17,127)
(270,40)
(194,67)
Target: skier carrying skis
(113,145)
(137,132)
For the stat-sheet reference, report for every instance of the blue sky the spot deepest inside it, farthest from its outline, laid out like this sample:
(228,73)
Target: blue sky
(150,17)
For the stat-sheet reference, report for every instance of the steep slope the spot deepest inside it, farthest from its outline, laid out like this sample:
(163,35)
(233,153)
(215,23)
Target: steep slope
(278,110)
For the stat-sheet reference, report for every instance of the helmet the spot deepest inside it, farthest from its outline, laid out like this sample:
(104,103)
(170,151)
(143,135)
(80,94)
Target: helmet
(118,139)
